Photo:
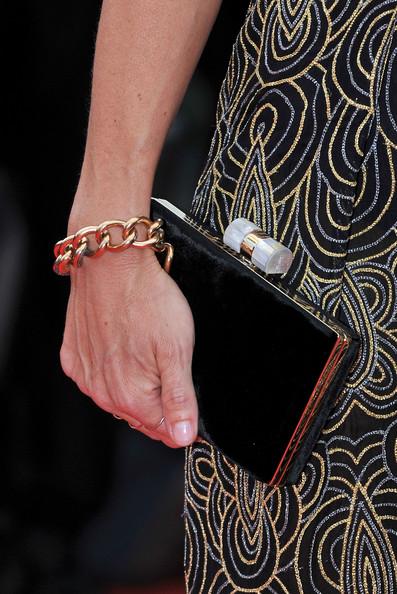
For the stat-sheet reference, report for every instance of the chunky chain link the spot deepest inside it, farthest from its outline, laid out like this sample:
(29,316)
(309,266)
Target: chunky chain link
(71,250)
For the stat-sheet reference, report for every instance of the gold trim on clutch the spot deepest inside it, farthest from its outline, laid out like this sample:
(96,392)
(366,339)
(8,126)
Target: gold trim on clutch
(328,373)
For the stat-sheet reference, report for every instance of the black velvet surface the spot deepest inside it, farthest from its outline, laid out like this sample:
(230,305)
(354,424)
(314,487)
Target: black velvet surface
(257,355)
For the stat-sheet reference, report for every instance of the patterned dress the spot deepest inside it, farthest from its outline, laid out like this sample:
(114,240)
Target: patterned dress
(305,145)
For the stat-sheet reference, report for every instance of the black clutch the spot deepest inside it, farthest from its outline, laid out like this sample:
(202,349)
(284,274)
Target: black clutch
(267,364)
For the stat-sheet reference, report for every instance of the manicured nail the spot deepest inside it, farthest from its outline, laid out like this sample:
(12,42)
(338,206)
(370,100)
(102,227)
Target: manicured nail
(183,432)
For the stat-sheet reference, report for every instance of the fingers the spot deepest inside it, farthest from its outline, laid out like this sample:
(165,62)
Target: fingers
(141,376)
(159,433)
(140,407)
(179,402)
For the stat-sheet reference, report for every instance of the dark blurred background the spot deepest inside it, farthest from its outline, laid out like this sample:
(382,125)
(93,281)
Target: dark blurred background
(81,510)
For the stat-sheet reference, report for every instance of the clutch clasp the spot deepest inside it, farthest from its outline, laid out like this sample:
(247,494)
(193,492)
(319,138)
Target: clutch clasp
(268,254)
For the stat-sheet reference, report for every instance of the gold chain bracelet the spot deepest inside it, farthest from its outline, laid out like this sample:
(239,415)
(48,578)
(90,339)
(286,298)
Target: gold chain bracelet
(71,250)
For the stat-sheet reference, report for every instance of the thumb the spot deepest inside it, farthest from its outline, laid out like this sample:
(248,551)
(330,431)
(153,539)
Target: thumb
(179,403)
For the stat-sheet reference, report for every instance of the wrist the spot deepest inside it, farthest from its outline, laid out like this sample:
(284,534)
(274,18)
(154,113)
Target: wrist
(117,196)
(132,243)
(129,260)
(117,189)
(92,208)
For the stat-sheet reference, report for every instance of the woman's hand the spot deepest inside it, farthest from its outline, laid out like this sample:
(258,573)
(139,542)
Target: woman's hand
(129,331)
(128,343)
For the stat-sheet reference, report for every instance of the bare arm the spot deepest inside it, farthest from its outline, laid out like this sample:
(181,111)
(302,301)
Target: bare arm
(146,53)
(129,331)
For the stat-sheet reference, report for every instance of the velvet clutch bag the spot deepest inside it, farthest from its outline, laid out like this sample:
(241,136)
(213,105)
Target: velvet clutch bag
(267,364)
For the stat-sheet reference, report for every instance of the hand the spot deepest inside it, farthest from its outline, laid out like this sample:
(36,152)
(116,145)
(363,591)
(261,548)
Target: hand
(128,343)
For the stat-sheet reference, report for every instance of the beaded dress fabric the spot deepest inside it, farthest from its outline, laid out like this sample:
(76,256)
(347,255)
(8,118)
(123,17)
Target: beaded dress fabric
(305,145)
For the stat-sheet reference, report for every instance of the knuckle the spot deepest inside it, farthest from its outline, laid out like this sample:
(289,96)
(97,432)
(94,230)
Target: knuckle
(135,401)
(138,405)
(101,399)
(83,388)
(68,360)
(99,393)
(176,397)
(176,351)
(129,387)
(139,389)
(89,382)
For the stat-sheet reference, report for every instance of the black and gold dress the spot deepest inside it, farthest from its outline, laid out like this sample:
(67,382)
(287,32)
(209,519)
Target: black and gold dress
(305,145)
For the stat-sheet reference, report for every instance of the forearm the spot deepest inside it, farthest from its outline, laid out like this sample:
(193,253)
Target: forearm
(146,52)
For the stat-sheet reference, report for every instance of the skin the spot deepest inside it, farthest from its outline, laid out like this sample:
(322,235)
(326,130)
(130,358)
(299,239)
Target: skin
(129,331)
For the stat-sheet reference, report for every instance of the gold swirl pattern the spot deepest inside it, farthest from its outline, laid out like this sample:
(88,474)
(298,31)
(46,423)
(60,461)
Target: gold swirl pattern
(305,145)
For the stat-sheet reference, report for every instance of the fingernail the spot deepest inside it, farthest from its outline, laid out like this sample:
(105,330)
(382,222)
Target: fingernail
(183,432)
